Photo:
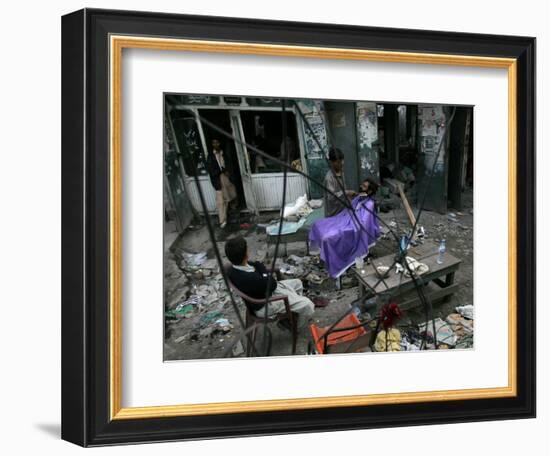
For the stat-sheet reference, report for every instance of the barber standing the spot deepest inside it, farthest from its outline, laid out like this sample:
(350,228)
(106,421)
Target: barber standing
(334,181)
(219,176)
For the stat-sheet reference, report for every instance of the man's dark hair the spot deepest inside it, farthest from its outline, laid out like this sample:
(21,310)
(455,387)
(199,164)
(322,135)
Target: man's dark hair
(373,186)
(335,154)
(235,250)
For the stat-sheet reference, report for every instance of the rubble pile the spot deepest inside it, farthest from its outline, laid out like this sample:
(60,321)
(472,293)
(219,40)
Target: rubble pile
(196,298)
(455,332)
(201,323)
(308,268)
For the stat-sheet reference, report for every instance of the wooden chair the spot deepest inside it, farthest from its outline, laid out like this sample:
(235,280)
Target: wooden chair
(252,319)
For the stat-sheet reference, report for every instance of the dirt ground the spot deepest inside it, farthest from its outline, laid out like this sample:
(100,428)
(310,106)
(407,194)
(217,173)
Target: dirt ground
(207,327)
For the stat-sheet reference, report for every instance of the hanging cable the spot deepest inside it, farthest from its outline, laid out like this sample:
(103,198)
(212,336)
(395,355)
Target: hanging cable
(343,201)
(281,219)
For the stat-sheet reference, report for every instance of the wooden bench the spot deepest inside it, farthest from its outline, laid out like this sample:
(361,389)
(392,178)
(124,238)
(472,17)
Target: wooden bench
(397,285)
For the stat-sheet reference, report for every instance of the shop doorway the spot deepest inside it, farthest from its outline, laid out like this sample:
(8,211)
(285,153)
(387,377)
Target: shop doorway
(221,118)
(264,130)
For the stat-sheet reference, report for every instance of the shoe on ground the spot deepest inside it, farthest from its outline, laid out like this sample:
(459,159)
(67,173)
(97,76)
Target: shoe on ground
(319,301)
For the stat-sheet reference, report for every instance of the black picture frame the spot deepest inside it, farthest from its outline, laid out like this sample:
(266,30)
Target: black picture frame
(85,225)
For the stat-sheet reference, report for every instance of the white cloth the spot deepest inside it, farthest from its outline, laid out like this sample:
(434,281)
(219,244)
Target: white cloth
(292,288)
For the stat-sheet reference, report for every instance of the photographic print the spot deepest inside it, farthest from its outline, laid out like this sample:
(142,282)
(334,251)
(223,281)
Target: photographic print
(316,227)
(277,200)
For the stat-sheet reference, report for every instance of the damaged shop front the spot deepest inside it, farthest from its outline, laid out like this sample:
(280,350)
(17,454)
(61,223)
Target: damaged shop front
(411,291)
(379,140)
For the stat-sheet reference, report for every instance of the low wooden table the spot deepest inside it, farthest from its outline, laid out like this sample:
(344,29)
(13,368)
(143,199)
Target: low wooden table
(396,285)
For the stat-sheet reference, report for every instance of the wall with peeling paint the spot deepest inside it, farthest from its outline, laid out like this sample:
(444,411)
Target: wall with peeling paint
(432,124)
(367,140)
(317,167)
(340,118)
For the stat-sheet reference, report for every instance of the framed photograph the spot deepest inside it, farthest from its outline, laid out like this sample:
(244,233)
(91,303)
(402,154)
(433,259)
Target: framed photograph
(279,227)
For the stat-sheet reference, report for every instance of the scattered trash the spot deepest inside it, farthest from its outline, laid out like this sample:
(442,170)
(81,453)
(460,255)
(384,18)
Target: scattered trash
(414,266)
(223,324)
(210,264)
(296,259)
(461,326)
(238,349)
(466,311)
(209,318)
(452,217)
(288,269)
(406,345)
(382,270)
(194,260)
(466,342)
(314,278)
(178,313)
(444,332)
(185,307)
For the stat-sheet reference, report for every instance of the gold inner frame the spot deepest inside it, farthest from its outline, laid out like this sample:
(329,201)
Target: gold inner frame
(117,44)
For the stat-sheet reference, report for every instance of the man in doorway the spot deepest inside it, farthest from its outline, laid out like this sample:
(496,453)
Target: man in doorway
(334,181)
(252,278)
(220,178)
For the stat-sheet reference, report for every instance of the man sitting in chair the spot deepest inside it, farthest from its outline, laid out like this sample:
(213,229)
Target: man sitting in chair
(252,278)
(349,234)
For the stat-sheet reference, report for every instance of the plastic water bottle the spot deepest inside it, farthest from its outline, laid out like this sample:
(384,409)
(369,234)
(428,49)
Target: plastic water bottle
(404,244)
(442,249)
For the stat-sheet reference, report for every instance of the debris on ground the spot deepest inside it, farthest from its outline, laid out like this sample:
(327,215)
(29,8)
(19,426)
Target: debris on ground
(198,331)
(223,324)
(466,311)
(444,332)
(407,345)
(193,260)
(238,349)
(460,325)
(185,307)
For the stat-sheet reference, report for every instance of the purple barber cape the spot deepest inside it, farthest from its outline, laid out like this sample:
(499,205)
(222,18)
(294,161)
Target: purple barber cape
(341,240)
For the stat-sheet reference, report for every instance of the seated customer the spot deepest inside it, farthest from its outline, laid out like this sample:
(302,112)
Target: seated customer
(252,279)
(348,235)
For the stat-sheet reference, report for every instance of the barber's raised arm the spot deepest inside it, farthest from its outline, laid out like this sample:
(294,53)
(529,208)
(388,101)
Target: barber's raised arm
(332,184)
